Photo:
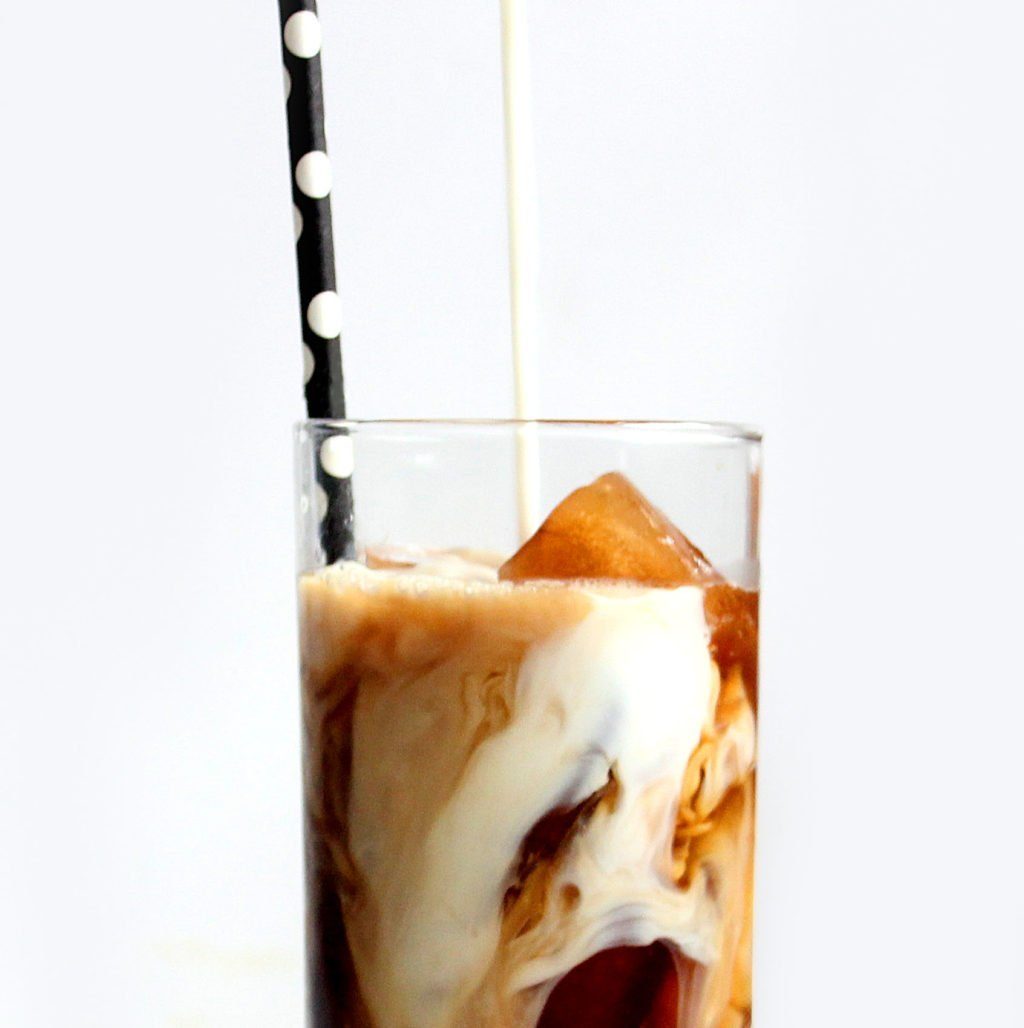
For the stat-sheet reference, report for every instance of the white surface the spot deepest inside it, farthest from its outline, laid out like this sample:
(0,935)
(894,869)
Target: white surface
(812,221)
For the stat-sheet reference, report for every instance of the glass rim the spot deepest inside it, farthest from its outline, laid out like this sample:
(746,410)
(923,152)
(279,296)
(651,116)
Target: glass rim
(722,430)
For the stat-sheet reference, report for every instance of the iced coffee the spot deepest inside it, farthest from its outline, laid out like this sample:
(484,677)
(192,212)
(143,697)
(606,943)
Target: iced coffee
(529,780)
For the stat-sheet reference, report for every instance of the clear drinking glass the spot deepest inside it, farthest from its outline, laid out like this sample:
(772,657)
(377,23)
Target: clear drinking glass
(529,779)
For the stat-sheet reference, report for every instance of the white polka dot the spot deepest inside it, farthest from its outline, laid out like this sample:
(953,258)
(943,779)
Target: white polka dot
(321,502)
(302,34)
(287,84)
(336,456)
(297,221)
(313,174)
(303,504)
(308,364)
(324,314)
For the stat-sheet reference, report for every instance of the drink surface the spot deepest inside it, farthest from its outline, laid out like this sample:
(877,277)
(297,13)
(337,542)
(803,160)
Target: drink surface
(530,801)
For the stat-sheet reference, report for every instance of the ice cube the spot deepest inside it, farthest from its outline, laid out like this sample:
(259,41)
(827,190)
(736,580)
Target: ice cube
(731,614)
(610,530)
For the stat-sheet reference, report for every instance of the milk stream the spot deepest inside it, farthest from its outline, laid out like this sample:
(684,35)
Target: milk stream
(521,188)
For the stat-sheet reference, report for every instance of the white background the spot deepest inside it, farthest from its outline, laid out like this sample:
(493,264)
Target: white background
(802,213)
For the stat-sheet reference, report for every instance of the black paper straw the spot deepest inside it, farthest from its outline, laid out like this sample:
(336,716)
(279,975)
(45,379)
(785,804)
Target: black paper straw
(314,248)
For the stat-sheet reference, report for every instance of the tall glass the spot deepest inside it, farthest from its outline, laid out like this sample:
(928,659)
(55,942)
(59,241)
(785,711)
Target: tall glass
(529,769)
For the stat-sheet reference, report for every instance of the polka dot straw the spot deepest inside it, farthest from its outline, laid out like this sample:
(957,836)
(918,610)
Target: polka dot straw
(314,246)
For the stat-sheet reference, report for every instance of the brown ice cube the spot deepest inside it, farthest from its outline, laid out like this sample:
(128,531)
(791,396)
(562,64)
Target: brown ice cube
(610,530)
(731,614)
(389,558)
